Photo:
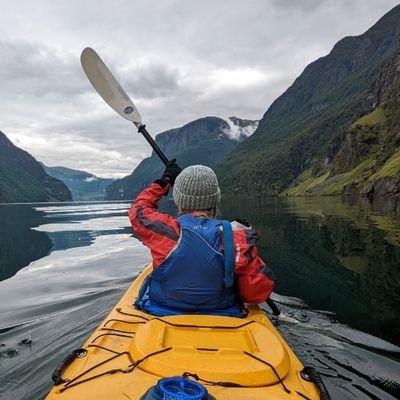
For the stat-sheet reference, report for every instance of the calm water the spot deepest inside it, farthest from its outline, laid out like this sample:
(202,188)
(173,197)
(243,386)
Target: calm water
(63,267)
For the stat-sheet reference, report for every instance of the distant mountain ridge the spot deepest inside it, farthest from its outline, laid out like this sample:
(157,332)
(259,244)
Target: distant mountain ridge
(295,146)
(203,141)
(23,179)
(83,185)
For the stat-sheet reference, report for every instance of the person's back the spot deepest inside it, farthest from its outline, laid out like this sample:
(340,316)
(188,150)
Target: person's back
(199,265)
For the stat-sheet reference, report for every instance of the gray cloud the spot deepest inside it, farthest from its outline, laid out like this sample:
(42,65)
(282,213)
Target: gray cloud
(151,80)
(178,59)
(33,69)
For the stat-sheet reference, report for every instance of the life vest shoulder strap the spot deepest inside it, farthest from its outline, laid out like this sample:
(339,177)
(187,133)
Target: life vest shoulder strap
(229,256)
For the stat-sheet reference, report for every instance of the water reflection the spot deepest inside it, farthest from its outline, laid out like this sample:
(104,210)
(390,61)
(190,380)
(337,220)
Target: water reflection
(19,244)
(334,255)
(29,232)
(338,255)
(59,299)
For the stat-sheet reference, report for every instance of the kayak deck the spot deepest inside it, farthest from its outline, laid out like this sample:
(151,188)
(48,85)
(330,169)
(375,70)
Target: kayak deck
(234,358)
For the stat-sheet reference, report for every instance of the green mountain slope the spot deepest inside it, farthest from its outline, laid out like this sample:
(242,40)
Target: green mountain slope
(301,133)
(23,179)
(83,186)
(367,160)
(204,141)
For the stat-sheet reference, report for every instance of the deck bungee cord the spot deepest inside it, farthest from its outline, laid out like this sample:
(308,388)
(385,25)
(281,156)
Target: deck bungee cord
(307,373)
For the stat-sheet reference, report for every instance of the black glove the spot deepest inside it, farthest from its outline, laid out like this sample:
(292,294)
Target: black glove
(171,171)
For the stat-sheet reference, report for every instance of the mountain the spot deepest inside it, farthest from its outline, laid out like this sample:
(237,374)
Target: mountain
(204,141)
(302,141)
(23,179)
(83,186)
(367,158)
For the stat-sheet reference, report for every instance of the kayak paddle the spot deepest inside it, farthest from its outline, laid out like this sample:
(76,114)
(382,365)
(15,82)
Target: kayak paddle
(278,314)
(114,95)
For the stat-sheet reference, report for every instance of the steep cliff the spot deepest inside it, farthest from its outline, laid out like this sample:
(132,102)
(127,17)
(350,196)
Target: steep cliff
(204,141)
(375,137)
(366,159)
(296,145)
(23,179)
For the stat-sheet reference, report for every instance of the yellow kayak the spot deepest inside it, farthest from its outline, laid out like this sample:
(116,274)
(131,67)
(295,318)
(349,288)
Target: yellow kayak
(134,355)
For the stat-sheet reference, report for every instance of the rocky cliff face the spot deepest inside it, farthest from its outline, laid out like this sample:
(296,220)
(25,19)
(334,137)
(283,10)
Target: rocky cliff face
(23,179)
(175,141)
(204,141)
(295,148)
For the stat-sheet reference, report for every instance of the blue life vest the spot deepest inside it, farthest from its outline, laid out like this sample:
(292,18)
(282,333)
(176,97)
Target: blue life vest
(193,278)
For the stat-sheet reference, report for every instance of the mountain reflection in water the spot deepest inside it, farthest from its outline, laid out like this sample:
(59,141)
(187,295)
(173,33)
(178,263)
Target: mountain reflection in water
(64,266)
(19,244)
(341,255)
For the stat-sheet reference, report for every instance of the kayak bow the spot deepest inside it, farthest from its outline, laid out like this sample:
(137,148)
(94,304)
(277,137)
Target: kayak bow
(134,355)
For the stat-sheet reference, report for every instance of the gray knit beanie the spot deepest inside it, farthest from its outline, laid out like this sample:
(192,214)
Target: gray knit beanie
(196,188)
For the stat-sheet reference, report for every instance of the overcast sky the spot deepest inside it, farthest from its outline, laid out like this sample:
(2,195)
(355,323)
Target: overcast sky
(179,60)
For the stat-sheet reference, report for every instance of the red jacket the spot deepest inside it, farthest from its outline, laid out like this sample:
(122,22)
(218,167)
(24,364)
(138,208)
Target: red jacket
(160,232)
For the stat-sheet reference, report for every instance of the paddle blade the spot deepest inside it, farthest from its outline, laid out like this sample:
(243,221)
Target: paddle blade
(108,87)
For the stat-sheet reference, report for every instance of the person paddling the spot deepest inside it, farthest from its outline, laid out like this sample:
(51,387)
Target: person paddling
(201,265)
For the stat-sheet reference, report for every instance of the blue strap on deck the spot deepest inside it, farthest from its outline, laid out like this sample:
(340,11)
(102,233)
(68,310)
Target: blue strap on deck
(229,255)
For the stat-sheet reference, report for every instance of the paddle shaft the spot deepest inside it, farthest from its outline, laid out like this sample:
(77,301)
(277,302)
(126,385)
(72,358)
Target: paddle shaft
(142,129)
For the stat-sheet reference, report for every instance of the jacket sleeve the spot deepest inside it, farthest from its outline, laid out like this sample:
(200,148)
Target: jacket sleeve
(253,277)
(159,232)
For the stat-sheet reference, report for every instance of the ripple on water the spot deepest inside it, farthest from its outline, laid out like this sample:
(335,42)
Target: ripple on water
(11,389)
(9,352)
(354,365)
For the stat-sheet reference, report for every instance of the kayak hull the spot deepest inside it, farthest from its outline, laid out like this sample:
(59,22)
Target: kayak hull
(233,358)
